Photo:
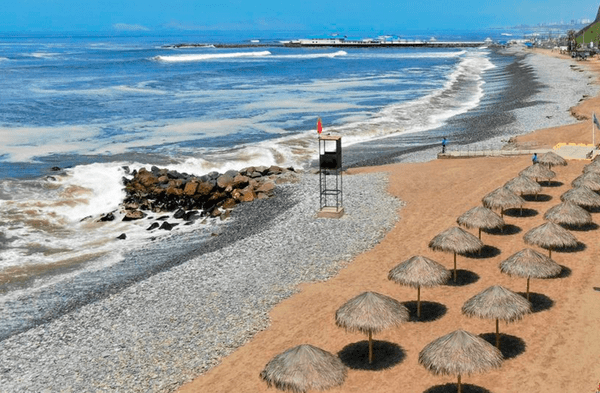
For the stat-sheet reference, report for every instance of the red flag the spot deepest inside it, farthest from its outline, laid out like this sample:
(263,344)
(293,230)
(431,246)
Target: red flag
(319,126)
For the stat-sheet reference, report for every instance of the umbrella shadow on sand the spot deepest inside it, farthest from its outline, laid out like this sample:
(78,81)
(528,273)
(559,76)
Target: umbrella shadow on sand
(430,311)
(510,346)
(452,388)
(564,273)
(551,183)
(463,277)
(525,212)
(507,230)
(581,228)
(539,301)
(537,198)
(386,355)
(567,250)
(486,252)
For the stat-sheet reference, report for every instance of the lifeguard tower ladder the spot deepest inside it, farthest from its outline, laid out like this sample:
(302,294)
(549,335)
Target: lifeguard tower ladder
(330,177)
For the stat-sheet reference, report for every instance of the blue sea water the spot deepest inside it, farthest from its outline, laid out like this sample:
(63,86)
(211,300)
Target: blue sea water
(92,104)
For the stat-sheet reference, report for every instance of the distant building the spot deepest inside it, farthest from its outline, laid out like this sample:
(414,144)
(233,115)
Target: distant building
(590,33)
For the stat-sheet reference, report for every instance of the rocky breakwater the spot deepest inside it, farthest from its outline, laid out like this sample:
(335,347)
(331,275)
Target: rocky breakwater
(215,194)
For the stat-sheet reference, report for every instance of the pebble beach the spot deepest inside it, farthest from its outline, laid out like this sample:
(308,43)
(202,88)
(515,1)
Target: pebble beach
(275,273)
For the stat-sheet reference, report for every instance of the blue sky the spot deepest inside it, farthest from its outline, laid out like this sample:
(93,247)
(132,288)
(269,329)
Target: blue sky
(329,15)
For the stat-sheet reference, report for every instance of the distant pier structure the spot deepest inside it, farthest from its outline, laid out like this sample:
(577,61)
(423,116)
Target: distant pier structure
(369,43)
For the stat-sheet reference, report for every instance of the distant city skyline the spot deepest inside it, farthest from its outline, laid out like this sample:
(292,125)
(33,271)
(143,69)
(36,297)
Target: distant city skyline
(310,15)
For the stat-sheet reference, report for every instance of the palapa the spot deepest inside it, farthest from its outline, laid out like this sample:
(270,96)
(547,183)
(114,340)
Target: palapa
(529,263)
(417,272)
(551,159)
(590,180)
(523,185)
(459,353)
(550,236)
(593,166)
(455,240)
(303,368)
(497,303)
(370,313)
(502,198)
(581,196)
(480,217)
(568,213)
(537,171)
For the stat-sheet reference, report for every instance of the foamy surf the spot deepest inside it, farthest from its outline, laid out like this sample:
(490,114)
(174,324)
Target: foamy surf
(209,56)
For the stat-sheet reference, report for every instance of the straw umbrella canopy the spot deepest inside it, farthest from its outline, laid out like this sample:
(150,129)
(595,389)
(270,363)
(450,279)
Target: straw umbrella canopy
(497,303)
(581,196)
(568,213)
(537,171)
(418,272)
(480,217)
(370,313)
(550,236)
(523,185)
(459,353)
(590,180)
(502,198)
(303,368)
(455,240)
(551,159)
(529,263)
(593,166)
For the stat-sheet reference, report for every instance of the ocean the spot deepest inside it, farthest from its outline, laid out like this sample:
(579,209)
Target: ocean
(78,111)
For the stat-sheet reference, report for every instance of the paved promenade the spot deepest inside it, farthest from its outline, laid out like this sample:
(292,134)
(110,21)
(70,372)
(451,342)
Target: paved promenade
(569,151)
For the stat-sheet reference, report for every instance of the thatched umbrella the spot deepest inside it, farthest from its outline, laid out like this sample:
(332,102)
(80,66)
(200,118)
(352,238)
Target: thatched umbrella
(550,235)
(568,213)
(497,303)
(455,240)
(459,353)
(593,166)
(303,368)
(523,185)
(480,217)
(418,272)
(590,180)
(537,171)
(370,313)
(502,198)
(581,196)
(529,263)
(551,159)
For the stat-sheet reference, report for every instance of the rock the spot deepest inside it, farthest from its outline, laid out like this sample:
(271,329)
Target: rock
(107,217)
(215,212)
(122,236)
(275,170)
(233,173)
(247,194)
(162,218)
(145,178)
(163,179)
(255,174)
(266,188)
(190,215)
(174,191)
(262,195)
(240,181)
(179,214)
(261,169)
(237,195)
(133,215)
(190,188)
(224,181)
(204,188)
(55,168)
(131,205)
(229,203)
(167,226)
(152,226)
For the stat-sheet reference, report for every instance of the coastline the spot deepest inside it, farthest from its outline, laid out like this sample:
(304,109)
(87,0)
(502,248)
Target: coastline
(141,291)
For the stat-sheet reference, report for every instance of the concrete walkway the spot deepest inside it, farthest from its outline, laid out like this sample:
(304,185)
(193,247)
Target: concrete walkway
(569,151)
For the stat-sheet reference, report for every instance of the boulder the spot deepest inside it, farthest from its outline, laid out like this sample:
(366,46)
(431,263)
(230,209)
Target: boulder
(167,226)
(224,181)
(174,191)
(163,179)
(275,170)
(122,236)
(190,188)
(229,203)
(262,195)
(266,188)
(107,217)
(247,194)
(204,188)
(152,226)
(240,181)
(179,214)
(133,215)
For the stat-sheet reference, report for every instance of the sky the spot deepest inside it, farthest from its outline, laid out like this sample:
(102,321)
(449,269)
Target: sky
(310,15)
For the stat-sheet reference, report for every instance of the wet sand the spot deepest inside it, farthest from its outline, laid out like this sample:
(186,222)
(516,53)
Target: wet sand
(555,349)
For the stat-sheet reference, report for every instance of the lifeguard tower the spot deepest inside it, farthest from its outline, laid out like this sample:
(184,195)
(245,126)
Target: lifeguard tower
(330,177)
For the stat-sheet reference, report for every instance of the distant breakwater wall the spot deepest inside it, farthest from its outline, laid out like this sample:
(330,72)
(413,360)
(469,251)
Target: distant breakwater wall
(407,44)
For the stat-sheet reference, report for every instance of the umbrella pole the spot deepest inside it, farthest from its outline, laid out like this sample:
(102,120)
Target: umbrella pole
(527,288)
(459,386)
(479,233)
(370,347)
(419,301)
(550,252)
(455,267)
(501,212)
(497,335)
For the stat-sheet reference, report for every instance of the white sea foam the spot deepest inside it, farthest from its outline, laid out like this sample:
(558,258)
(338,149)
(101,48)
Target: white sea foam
(313,55)
(209,56)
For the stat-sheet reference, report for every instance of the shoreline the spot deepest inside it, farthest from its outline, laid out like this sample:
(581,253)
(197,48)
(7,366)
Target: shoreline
(67,321)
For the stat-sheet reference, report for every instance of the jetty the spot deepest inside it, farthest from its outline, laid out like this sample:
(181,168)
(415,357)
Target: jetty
(368,43)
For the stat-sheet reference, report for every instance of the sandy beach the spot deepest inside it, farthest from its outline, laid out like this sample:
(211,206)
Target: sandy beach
(555,349)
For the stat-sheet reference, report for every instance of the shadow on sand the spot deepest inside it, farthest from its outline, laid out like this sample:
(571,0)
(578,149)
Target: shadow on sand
(510,346)
(430,311)
(578,248)
(506,230)
(551,183)
(564,273)
(539,302)
(453,388)
(463,277)
(539,198)
(581,228)
(486,252)
(385,355)
(521,213)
